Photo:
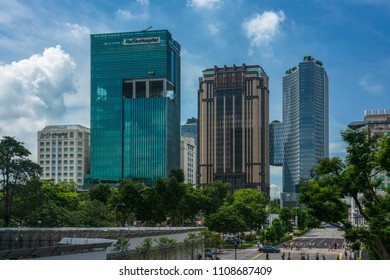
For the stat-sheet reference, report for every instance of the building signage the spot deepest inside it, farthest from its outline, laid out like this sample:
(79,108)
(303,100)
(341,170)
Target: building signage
(140,41)
(54,134)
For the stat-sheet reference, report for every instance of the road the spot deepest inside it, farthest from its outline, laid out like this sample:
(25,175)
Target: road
(322,238)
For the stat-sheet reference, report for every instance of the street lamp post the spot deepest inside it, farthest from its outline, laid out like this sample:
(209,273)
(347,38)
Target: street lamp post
(116,206)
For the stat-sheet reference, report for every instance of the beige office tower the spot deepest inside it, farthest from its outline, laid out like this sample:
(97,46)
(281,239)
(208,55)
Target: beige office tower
(188,159)
(233,108)
(63,153)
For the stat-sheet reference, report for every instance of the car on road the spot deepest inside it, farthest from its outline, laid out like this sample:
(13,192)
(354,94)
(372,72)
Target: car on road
(208,254)
(269,249)
(232,239)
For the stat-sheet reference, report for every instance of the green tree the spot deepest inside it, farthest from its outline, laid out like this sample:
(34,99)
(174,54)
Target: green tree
(59,206)
(100,192)
(193,242)
(286,216)
(216,193)
(193,202)
(15,169)
(333,182)
(122,247)
(226,219)
(280,229)
(172,193)
(166,246)
(150,210)
(145,249)
(274,206)
(94,213)
(178,173)
(250,205)
(125,198)
(212,239)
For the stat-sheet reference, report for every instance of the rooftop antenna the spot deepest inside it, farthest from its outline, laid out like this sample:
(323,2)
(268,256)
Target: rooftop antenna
(147,29)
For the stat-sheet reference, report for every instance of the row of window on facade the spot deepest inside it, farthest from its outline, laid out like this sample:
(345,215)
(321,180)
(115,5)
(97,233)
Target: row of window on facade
(65,168)
(71,174)
(53,135)
(60,143)
(59,162)
(41,156)
(71,149)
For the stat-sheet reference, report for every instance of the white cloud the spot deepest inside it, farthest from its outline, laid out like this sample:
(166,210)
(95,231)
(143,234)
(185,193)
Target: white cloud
(78,31)
(127,15)
(203,4)
(33,92)
(275,191)
(124,14)
(12,11)
(262,28)
(371,87)
(143,2)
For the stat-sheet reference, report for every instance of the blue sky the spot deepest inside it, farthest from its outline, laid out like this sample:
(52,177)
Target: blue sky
(44,53)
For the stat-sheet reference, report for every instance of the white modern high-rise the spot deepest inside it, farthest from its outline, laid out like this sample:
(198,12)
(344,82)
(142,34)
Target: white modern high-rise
(305,123)
(63,153)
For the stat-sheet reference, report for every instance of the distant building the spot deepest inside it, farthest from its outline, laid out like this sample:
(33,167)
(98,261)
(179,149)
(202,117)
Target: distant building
(305,123)
(190,129)
(188,159)
(135,105)
(64,153)
(276,143)
(233,118)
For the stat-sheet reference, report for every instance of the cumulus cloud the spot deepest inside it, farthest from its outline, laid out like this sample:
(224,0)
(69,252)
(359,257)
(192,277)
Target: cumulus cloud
(262,28)
(203,4)
(77,31)
(371,87)
(275,191)
(32,92)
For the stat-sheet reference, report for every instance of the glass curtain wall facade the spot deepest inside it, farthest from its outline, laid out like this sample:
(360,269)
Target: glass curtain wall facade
(135,105)
(305,119)
(233,113)
(190,129)
(276,143)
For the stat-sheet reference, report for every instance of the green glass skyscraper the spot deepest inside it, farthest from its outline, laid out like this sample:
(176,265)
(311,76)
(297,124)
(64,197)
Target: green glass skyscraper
(135,105)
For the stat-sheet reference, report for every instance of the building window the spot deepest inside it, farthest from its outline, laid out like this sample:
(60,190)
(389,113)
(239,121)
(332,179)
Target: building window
(156,88)
(140,89)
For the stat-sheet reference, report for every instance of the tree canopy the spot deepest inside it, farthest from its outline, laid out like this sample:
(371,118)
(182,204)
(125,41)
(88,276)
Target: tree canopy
(334,183)
(15,170)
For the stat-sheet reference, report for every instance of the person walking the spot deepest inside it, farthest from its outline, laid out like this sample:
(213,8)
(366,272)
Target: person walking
(323,257)
(283,256)
(289,256)
(267,256)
